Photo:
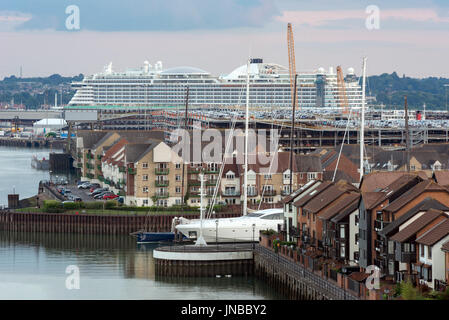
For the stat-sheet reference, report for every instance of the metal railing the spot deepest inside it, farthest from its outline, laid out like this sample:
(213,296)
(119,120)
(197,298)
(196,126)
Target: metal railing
(328,289)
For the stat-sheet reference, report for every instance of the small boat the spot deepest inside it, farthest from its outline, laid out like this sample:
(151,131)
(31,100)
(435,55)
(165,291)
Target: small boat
(40,164)
(147,237)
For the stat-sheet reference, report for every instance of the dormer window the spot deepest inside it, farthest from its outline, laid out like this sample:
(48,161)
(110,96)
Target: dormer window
(230,175)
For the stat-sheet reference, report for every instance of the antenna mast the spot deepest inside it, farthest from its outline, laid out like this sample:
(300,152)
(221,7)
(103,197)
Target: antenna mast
(362,122)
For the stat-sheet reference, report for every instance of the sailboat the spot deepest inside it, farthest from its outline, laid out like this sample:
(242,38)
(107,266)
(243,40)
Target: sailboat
(227,230)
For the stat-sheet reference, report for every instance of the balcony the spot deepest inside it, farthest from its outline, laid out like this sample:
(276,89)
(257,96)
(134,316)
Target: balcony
(379,225)
(89,166)
(89,156)
(268,193)
(162,195)
(252,193)
(212,182)
(285,193)
(194,170)
(161,183)
(211,171)
(131,171)
(231,193)
(99,157)
(161,171)
(408,257)
(121,169)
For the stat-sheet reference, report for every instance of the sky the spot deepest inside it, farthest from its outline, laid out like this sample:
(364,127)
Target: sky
(44,37)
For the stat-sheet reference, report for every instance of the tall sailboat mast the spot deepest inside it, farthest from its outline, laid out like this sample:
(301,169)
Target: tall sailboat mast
(362,121)
(245,185)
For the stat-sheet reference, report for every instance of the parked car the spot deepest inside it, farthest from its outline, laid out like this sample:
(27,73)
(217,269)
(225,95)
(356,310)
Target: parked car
(121,200)
(85,185)
(60,189)
(109,196)
(101,194)
(67,192)
(82,182)
(97,191)
(68,201)
(94,186)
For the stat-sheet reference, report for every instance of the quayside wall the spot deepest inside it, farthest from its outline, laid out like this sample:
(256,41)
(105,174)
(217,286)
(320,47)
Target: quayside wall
(91,223)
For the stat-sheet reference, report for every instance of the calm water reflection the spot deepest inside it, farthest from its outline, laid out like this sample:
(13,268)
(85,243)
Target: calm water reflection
(32,266)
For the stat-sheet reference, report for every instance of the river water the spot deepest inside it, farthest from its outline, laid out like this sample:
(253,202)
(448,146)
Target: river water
(44,266)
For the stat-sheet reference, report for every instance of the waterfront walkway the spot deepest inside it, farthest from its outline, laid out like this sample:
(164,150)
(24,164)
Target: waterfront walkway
(290,275)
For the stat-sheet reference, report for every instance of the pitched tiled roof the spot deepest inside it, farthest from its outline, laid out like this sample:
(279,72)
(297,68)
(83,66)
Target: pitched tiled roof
(113,150)
(308,163)
(411,194)
(372,198)
(417,225)
(435,234)
(442,177)
(426,204)
(396,188)
(376,181)
(323,186)
(90,138)
(339,205)
(328,196)
(346,211)
(299,191)
(133,152)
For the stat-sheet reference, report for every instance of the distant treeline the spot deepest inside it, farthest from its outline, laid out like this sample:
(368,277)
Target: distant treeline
(37,91)
(389,90)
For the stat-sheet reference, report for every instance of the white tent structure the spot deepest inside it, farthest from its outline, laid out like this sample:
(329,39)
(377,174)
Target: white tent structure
(45,126)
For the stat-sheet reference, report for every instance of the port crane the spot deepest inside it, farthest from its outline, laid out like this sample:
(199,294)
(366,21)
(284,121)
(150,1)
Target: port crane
(342,98)
(291,63)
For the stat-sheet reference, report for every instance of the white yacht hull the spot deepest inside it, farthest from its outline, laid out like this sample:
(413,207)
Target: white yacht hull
(229,230)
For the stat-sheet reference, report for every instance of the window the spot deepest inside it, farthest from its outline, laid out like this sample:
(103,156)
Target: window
(178,166)
(342,250)
(145,189)
(267,176)
(145,177)
(178,201)
(178,177)
(145,165)
(422,250)
(230,175)
(429,252)
(342,231)
(145,202)
(178,189)
(311,176)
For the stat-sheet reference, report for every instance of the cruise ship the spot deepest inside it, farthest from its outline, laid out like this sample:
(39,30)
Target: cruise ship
(269,86)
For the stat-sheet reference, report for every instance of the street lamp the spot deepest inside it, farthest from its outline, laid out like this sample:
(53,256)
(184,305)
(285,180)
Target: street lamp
(216,232)
(254,228)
